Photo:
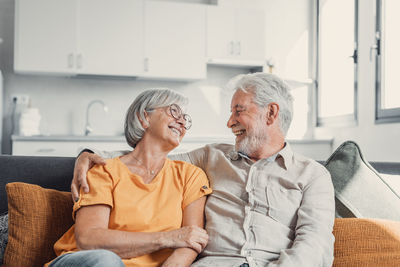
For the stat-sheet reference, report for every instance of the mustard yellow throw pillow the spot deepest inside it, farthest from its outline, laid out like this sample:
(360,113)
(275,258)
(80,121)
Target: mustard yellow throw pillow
(38,217)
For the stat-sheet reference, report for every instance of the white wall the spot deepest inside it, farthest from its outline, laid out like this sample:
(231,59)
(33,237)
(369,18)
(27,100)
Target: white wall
(378,142)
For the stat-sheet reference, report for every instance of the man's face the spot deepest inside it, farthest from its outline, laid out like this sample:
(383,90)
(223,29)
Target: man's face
(248,123)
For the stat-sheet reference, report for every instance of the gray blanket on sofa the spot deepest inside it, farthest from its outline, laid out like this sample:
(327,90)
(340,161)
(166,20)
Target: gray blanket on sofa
(3,235)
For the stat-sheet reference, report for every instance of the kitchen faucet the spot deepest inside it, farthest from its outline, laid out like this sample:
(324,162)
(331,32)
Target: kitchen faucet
(88,128)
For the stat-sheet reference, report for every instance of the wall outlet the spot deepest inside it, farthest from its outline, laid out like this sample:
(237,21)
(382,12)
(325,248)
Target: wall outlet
(20,99)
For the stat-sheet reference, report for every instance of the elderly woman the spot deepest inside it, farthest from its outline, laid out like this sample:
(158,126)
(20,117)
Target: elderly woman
(143,209)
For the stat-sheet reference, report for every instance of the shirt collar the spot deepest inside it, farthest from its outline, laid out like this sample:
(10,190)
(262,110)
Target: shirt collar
(286,153)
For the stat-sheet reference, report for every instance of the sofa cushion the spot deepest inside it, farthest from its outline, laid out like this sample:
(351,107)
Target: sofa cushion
(359,190)
(366,242)
(38,217)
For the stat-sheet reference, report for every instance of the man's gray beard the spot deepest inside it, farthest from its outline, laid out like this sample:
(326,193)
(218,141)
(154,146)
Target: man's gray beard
(252,143)
(249,145)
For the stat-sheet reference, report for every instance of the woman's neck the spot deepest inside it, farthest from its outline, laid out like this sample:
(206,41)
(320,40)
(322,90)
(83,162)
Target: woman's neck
(149,154)
(146,160)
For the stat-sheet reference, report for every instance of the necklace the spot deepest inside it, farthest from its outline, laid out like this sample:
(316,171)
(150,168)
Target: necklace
(149,172)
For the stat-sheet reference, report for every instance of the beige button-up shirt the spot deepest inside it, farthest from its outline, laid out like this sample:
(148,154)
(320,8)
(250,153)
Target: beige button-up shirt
(274,212)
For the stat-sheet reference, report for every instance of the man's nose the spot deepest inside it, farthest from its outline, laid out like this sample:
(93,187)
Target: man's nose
(231,121)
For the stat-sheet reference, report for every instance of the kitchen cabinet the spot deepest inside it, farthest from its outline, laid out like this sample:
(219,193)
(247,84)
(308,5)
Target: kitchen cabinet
(147,39)
(235,35)
(175,40)
(65,146)
(45,37)
(102,37)
(71,145)
(110,37)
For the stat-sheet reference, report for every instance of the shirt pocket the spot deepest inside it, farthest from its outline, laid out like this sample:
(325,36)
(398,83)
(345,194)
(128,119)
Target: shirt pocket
(283,204)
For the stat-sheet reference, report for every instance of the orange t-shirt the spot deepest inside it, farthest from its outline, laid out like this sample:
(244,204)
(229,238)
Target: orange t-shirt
(139,207)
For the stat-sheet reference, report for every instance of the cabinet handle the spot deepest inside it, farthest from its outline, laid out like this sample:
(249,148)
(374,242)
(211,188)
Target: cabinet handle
(146,64)
(70,60)
(238,48)
(79,61)
(231,47)
(45,150)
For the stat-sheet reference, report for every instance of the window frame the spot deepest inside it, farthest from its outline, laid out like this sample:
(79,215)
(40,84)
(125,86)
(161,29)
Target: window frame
(382,115)
(341,120)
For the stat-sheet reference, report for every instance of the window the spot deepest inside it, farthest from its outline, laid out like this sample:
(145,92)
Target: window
(387,57)
(337,62)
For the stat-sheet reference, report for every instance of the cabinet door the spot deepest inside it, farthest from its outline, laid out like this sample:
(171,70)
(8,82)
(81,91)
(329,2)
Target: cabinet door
(220,32)
(45,148)
(110,37)
(175,40)
(250,34)
(44,35)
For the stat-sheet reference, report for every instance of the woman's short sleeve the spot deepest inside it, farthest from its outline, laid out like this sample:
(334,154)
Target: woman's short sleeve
(100,189)
(196,186)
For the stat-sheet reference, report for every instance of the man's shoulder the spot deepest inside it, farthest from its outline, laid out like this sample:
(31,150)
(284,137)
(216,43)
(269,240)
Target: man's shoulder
(303,161)
(220,147)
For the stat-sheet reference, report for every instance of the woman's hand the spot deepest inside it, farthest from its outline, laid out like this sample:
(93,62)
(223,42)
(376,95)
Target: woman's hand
(83,163)
(192,237)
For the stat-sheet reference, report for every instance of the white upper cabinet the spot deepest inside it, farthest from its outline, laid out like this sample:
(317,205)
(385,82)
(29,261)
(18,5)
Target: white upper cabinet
(235,35)
(151,39)
(175,40)
(221,39)
(250,33)
(110,37)
(45,36)
(102,37)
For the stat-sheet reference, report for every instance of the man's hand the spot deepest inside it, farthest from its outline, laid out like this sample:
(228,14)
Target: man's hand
(83,163)
(192,237)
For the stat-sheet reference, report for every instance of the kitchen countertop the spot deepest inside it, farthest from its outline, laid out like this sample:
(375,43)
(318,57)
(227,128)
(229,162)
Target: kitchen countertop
(70,138)
(121,138)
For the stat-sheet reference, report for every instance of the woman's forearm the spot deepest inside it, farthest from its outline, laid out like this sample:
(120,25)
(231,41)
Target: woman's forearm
(181,257)
(125,244)
(134,244)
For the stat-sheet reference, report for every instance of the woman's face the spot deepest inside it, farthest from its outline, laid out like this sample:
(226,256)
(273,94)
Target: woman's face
(167,124)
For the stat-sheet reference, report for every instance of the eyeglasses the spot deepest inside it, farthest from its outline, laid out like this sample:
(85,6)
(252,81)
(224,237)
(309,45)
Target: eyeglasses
(176,113)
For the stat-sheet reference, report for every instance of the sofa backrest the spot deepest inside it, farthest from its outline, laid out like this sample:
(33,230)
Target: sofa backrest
(48,172)
(57,172)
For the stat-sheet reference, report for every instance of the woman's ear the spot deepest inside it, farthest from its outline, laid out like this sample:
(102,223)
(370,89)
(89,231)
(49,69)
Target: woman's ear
(146,122)
(272,113)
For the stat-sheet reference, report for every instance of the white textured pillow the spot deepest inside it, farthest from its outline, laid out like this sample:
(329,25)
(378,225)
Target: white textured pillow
(359,190)
(3,235)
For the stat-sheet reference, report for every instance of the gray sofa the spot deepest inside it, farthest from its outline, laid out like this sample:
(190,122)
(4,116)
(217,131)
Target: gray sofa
(57,172)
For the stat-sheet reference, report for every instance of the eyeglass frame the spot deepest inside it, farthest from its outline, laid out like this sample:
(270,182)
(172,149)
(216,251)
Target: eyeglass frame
(186,117)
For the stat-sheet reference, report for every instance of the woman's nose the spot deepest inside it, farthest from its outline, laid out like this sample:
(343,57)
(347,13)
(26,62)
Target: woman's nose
(181,121)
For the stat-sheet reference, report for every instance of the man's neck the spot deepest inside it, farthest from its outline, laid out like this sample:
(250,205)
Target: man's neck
(268,149)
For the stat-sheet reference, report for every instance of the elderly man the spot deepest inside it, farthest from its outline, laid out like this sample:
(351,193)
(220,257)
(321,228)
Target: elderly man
(269,206)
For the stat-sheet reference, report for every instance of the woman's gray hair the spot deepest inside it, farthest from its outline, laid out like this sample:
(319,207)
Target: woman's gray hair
(147,101)
(267,88)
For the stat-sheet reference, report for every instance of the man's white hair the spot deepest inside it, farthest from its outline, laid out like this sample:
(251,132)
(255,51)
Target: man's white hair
(267,88)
